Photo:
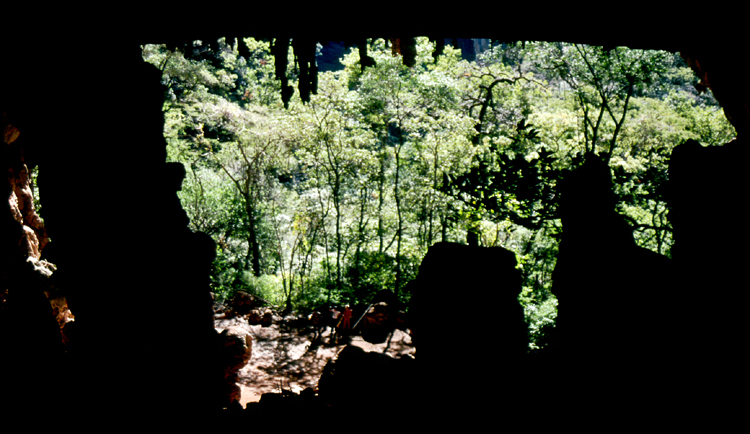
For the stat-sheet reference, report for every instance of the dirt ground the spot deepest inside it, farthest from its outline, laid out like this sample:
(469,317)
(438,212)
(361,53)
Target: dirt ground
(289,360)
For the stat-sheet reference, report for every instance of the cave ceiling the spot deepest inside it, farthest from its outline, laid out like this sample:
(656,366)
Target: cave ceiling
(709,41)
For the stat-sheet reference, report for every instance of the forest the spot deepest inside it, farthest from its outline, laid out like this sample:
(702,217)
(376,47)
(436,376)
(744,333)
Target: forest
(333,196)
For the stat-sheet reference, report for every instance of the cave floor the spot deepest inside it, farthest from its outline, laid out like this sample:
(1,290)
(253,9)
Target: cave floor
(289,360)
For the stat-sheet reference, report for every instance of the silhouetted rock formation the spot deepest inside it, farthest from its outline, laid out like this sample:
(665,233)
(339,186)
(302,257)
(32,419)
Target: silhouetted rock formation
(368,383)
(466,320)
(288,411)
(612,329)
(610,291)
(123,252)
(452,279)
(705,194)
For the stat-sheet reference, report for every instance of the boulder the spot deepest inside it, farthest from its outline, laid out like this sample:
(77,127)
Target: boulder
(368,383)
(377,324)
(242,303)
(484,284)
(236,349)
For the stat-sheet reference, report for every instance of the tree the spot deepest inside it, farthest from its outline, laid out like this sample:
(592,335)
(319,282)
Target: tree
(258,147)
(340,196)
(335,146)
(512,175)
(213,126)
(421,134)
(603,82)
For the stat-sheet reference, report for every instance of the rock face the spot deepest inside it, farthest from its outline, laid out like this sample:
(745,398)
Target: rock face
(24,212)
(32,235)
(30,339)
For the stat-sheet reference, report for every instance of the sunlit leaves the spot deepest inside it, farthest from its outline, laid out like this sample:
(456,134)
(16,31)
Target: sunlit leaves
(390,157)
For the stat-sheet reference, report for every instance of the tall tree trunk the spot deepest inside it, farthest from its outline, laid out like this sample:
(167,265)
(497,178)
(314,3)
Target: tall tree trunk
(252,234)
(360,239)
(443,228)
(397,197)
(337,205)
(288,307)
(435,187)
(381,198)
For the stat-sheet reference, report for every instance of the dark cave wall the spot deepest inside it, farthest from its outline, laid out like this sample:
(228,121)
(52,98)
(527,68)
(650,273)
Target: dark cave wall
(136,277)
(720,69)
(126,260)
(30,338)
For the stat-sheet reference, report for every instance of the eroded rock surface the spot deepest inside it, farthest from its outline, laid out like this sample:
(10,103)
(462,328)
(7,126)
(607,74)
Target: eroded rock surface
(30,339)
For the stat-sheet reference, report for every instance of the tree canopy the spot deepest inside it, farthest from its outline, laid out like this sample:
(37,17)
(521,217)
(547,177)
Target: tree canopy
(335,195)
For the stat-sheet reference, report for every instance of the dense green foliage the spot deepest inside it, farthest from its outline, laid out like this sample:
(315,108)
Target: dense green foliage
(335,199)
